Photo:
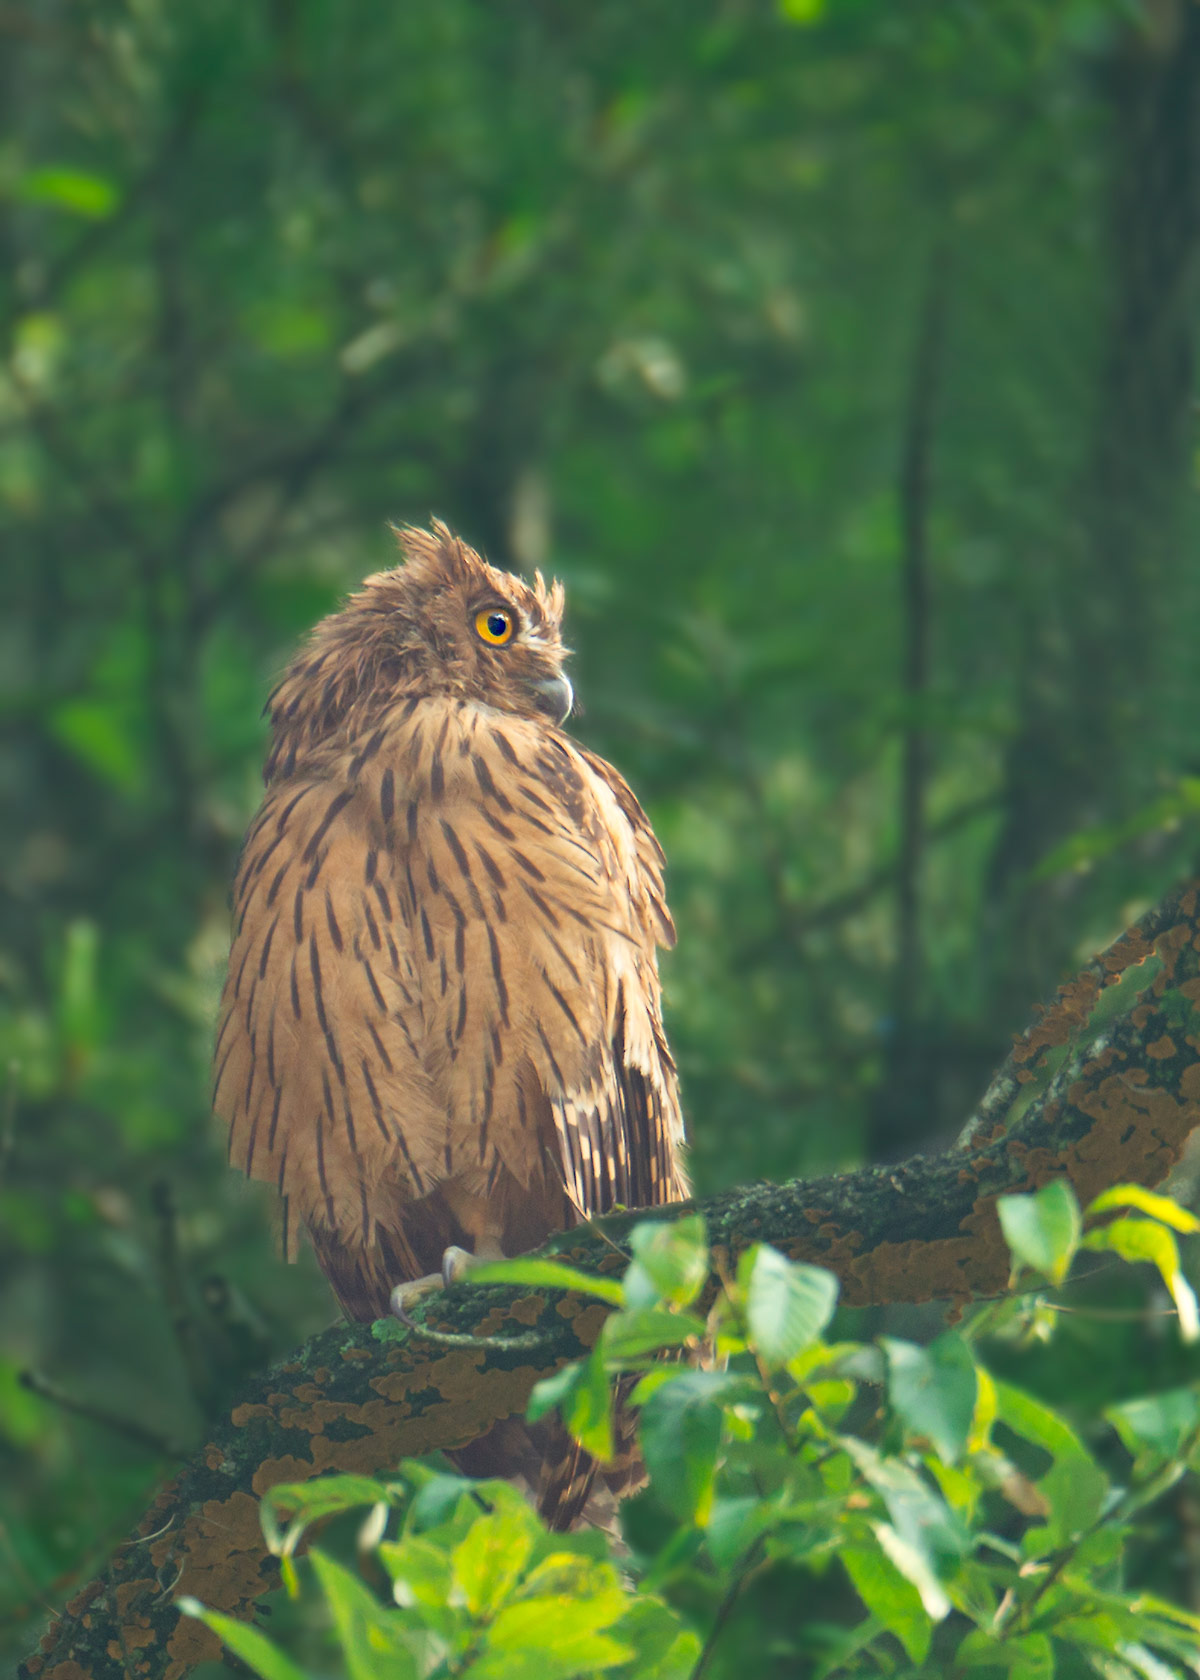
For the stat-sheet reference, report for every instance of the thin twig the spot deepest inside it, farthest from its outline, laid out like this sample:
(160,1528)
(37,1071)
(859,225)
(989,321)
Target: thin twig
(451,1338)
(725,1610)
(46,1389)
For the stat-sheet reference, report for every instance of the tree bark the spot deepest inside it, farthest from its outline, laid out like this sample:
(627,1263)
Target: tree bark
(1118,1105)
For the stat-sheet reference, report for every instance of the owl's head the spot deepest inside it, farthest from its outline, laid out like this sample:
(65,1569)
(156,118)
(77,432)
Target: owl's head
(444,622)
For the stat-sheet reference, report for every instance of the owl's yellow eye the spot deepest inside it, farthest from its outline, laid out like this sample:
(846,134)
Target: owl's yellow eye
(494,626)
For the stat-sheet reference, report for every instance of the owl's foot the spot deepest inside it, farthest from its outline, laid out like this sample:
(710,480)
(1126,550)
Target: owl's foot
(456,1263)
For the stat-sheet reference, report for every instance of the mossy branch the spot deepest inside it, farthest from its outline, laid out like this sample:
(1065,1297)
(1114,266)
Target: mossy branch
(1106,1103)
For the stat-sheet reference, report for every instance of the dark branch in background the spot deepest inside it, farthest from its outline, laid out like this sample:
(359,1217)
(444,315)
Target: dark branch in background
(47,1389)
(902,1112)
(82,250)
(915,593)
(196,1367)
(797,922)
(925,1229)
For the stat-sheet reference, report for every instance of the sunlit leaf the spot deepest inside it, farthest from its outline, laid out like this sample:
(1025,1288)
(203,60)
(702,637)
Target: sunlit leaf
(489,1562)
(1146,1239)
(1150,1202)
(553,1638)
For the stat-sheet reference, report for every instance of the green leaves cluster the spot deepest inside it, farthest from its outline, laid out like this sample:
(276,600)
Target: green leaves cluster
(475,1583)
(924,1514)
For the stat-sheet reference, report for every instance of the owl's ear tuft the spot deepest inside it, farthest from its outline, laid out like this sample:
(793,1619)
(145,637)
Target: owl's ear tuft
(552,600)
(436,552)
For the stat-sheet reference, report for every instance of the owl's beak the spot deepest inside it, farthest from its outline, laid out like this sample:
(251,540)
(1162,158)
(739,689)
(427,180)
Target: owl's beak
(555,697)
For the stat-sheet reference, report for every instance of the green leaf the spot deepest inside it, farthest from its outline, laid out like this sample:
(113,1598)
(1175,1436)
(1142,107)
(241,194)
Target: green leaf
(552,1638)
(370,1634)
(1144,1663)
(914,1564)
(101,735)
(440,1497)
(804,13)
(735,1524)
(490,1561)
(680,1433)
(1027,1657)
(1043,1230)
(890,1597)
(1074,1487)
(246,1642)
(933,1391)
(553,1393)
(921,1518)
(666,1648)
(1146,1239)
(548,1274)
(581,1393)
(1145,1201)
(670,1262)
(291,1507)
(1157,1427)
(787,1303)
(76,190)
(642,1330)
(419,1570)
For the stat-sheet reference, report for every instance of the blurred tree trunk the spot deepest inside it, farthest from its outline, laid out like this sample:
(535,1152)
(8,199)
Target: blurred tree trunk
(1082,752)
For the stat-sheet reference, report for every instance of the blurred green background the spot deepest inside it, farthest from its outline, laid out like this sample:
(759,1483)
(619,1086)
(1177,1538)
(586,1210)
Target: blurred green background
(837,355)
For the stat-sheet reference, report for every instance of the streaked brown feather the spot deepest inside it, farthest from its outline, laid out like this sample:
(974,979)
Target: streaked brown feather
(442,1021)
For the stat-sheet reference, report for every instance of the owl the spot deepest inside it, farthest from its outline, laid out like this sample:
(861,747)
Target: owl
(441,1029)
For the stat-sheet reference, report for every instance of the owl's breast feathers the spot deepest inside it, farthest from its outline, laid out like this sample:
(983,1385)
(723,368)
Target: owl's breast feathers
(442,1016)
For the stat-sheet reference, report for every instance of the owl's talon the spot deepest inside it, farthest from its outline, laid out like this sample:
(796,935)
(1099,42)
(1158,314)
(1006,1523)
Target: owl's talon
(406,1295)
(456,1263)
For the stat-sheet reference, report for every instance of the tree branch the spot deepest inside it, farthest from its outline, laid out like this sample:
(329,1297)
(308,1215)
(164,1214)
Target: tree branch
(926,1229)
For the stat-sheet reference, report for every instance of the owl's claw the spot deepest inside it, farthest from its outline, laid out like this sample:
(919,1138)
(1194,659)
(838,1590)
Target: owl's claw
(456,1263)
(405,1295)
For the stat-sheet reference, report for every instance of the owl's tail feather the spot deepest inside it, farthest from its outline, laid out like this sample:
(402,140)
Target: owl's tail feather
(568,1493)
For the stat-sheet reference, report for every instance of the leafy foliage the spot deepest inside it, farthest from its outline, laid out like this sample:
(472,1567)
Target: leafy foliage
(954,1522)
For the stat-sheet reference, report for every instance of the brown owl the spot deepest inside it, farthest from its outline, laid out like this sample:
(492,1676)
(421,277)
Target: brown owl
(441,1026)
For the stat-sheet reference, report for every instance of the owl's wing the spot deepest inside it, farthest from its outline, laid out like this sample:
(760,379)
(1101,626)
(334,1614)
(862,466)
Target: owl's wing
(318,1067)
(544,905)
